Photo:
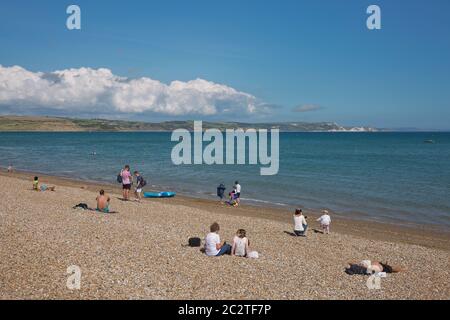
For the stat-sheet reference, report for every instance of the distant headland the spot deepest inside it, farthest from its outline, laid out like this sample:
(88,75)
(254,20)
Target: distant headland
(55,124)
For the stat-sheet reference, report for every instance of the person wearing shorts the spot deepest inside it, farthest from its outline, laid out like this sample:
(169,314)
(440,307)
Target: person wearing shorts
(103,202)
(237,191)
(139,186)
(126,182)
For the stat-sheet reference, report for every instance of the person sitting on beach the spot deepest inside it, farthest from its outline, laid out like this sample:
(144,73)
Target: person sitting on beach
(240,244)
(371,267)
(103,202)
(43,187)
(300,224)
(36,184)
(126,182)
(213,246)
(325,222)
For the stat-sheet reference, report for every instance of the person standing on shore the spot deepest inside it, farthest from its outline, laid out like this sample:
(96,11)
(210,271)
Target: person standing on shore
(140,183)
(237,191)
(300,224)
(221,191)
(325,221)
(126,182)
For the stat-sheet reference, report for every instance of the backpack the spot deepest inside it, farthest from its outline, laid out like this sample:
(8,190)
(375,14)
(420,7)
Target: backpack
(119,178)
(194,242)
(143,183)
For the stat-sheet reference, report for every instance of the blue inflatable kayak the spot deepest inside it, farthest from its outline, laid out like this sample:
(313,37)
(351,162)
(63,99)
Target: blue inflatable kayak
(159,194)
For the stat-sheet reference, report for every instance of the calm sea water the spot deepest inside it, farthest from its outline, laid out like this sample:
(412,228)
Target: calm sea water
(392,177)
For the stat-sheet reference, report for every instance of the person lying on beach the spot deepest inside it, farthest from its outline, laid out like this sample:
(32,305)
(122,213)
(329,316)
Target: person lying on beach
(103,202)
(371,267)
(300,224)
(240,244)
(213,246)
(43,187)
(325,222)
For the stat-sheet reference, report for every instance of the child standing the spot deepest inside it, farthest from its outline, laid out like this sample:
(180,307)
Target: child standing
(140,183)
(237,190)
(325,221)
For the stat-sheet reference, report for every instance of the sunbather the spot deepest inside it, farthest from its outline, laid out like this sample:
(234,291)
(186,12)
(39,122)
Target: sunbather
(370,267)
(103,202)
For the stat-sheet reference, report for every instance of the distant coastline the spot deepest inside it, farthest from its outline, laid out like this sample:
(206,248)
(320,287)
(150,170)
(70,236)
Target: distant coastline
(60,124)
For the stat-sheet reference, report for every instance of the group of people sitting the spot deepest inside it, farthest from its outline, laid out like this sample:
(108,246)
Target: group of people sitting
(240,247)
(214,247)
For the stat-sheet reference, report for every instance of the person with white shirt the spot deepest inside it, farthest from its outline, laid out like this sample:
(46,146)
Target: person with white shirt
(325,221)
(237,191)
(213,246)
(300,224)
(240,244)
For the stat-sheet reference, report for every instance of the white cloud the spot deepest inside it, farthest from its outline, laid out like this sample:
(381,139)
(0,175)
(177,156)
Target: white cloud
(75,91)
(307,108)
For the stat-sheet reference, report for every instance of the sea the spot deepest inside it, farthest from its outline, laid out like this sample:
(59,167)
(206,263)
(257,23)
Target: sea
(393,177)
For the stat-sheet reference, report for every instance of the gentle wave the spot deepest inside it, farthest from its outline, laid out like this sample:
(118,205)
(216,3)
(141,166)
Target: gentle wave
(385,176)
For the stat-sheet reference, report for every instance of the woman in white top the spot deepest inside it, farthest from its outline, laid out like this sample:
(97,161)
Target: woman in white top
(240,244)
(300,224)
(213,245)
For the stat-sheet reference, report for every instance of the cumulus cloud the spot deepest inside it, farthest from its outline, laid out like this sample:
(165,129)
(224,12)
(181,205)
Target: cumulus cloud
(74,91)
(307,108)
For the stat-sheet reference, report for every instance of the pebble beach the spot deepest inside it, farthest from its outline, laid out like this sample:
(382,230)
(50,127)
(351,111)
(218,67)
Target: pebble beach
(140,252)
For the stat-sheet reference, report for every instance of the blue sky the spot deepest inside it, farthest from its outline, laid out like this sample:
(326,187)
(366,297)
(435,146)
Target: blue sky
(285,54)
